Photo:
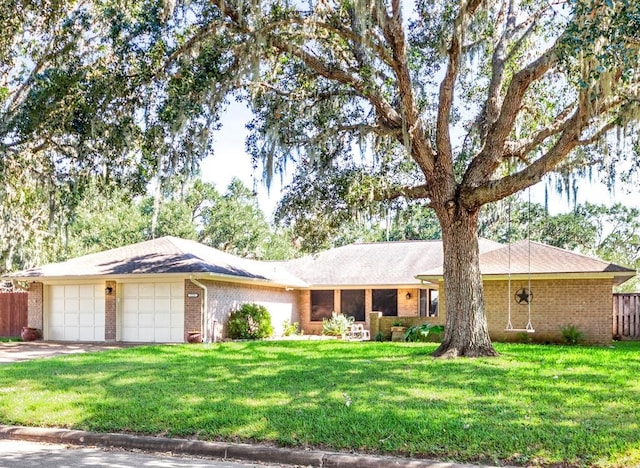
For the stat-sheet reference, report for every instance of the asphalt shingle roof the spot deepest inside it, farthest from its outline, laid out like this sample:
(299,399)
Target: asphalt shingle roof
(526,257)
(375,264)
(381,263)
(163,256)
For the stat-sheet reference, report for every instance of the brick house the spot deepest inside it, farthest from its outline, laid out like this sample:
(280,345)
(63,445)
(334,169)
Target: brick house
(163,289)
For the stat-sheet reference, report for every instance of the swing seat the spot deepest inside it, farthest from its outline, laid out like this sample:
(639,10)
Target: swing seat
(528,329)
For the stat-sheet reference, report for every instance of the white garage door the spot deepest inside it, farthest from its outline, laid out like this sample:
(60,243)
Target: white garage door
(76,312)
(153,312)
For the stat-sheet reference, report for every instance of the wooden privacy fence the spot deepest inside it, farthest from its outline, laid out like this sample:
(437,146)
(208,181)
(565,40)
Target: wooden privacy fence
(626,316)
(13,312)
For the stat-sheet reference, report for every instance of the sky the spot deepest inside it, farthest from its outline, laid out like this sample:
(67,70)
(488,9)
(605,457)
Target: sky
(230,159)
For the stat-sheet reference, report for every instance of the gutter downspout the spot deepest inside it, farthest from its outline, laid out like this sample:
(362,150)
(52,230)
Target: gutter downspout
(205,308)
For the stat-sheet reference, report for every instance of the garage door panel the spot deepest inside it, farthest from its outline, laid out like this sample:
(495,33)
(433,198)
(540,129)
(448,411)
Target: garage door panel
(146,306)
(177,320)
(99,321)
(177,305)
(71,304)
(86,305)
(129,290)
(86,320)
(163,290)
(146,335)
(146,290)
(71,333)
(163,319)
(93,333)
(156,309)
(146,320)
(163,334)
(129,320)
(163,305)
(86,291)
(130,333)
(56,320)
(56,333)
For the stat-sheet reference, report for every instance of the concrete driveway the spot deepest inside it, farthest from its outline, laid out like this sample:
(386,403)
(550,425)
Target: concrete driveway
(26,350)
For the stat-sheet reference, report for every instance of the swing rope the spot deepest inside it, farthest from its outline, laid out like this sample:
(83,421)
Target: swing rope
(509,325)
(529,327)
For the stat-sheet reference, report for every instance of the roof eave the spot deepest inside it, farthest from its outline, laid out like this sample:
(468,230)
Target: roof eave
(617,277)
(130,277)
(415,285)
(252,281)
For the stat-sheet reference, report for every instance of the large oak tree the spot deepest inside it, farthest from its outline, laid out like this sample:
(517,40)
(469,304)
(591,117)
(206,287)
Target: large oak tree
(534,86)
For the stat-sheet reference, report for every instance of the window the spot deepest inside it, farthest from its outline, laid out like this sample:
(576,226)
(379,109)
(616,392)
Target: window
(433,303)
(321,305)
(352,303)
(424,298)
(385,301)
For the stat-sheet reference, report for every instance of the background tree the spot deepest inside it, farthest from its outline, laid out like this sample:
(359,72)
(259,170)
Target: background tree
(611,233)
(75,108)
(190,209)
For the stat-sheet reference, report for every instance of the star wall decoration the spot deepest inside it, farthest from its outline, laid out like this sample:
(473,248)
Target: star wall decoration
(524,296)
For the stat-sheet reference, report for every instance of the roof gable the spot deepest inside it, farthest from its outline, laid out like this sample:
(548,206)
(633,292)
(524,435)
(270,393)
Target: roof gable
(166,255)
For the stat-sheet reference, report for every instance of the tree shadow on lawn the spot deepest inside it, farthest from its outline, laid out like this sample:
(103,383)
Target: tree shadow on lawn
(374,398)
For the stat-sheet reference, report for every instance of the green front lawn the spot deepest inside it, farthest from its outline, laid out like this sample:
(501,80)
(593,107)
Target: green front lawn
(533,405)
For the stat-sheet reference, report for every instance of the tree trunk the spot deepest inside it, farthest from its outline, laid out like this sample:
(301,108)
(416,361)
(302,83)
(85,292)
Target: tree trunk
(466,330)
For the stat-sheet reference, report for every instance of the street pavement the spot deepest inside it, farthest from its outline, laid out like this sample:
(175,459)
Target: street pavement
(26,454)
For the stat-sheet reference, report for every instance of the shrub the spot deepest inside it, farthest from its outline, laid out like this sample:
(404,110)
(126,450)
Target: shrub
(250,322)
(524,337)
(289,328)
(571,334)
(337,325)
(424,332)
(379,336)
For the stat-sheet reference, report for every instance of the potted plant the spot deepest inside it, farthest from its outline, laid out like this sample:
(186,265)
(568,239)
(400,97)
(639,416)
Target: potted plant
(338,325)
(398,326)
(398,329)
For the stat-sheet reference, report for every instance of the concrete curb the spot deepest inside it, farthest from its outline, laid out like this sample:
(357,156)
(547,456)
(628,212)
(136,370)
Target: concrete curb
(223,450)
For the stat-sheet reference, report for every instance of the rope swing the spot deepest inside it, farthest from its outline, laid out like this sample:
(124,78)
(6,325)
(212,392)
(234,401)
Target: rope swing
(523,295)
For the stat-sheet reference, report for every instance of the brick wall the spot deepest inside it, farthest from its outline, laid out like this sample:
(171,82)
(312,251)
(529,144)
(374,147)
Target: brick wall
(192,308)
(223,298)
(110,312)
(408,307)
(35,305)
(587,303)
(309,327)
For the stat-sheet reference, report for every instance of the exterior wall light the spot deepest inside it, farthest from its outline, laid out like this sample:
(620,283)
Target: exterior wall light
(108,290)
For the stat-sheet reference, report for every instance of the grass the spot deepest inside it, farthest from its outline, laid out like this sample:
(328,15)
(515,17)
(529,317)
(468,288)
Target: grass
(540,405)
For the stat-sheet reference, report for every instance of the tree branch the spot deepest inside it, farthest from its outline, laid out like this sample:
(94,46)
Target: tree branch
(519,151)
(410,193)
(490,156)
(443,136)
